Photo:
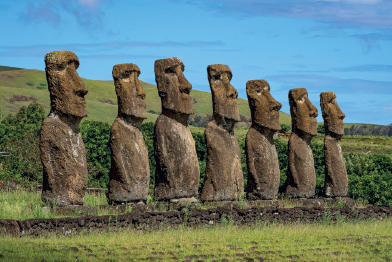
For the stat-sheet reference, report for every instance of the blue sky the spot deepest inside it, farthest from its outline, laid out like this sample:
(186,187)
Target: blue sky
(343,46)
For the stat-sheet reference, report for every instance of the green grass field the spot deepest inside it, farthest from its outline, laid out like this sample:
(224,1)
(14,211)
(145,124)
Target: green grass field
(101,98)
(363,144)
(361,241)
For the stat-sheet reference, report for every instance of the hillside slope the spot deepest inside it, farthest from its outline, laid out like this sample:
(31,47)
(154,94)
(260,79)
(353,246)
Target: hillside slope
(20,87)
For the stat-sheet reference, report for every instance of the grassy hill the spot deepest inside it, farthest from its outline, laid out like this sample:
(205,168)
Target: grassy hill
(20,87)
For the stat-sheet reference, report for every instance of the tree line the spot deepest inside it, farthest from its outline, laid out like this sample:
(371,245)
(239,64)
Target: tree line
(370,175)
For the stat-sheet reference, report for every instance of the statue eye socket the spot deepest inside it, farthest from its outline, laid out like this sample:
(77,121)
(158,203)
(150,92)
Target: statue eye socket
(170,70)
(62,66)
(126,74)
(302,98)
(216,76)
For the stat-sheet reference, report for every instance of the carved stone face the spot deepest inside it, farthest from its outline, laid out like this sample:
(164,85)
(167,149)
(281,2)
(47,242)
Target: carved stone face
(224,95)
(66,88)
(263,107)
(303,113)
(333,116)
(173,87)
(130,93)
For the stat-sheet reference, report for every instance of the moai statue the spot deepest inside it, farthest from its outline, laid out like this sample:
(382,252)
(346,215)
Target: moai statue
(261,155)
(63,155)
(224,179)
(301,175)
(336,180)
(130,172)
(177,168)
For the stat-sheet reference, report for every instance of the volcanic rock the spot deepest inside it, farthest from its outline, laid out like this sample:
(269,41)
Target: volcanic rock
(177,168)
(130,172)
(224,179)
(301,175)
(261,154)
(336,180)
(63,154)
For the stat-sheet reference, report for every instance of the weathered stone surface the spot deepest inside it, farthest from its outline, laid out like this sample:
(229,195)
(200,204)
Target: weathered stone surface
(301,175)
(9,227)
(173,87)
(63,155)
(66,88)
(341,202)
(130,172)
(224,179)
(336,180)
(312,202)
(194,217)
(224,95)
(177,168)
(261,156)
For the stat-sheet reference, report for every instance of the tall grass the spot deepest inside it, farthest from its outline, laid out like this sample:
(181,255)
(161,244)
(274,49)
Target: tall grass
(22,204)
(362,241)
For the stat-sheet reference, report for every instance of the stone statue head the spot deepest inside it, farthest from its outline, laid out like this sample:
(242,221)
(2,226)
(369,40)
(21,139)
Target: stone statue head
(130,93)
(333,116)
(224,95)
(66,88)
(264,108)
(172,86)
(303,112)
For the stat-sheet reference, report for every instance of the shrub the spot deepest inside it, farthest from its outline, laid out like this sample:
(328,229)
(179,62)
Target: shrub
(370,178)
(19,136)
(148,135)
(96,137)
(284,128)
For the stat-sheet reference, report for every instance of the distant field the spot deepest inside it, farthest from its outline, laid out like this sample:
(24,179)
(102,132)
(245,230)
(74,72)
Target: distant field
(8,68)
(20,87)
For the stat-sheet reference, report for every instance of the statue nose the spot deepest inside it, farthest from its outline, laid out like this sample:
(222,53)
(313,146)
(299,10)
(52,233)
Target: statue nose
(274,105)
(232,92)
(341,115)
(313,111)
(80,88)
(140,91)
(185,86)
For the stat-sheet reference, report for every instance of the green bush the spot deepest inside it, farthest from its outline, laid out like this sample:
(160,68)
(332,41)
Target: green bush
(281,149)
(284,128)
(96,137)
(319,165)
(321,128)
(370,178)
(19,136)
(148,135)
(30,83)
(42,86)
